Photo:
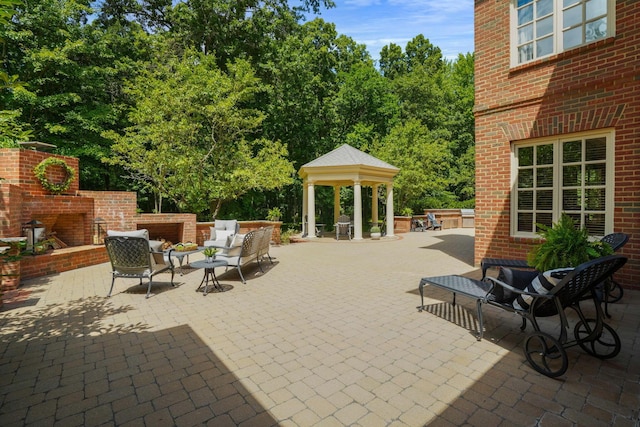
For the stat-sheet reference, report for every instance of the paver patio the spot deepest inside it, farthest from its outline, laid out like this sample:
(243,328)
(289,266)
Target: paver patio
(329,335)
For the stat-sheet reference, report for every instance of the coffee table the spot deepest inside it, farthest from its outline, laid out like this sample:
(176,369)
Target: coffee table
(209,273)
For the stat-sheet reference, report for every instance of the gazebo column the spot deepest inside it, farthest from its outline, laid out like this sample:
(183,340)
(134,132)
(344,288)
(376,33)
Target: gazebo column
(336,203)
(311,211)
(390,209)
(374,205)
(357,210)
(305,201)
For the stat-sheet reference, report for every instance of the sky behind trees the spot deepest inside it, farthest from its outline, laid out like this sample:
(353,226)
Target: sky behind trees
(376,23)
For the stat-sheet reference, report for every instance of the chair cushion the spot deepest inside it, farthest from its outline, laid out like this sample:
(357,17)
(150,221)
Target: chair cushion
(542,284)
(225,224)
(517,278)
(136,233)
(235,245)
(212,233)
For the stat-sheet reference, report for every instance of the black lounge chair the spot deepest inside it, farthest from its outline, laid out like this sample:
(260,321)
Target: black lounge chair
(546,353)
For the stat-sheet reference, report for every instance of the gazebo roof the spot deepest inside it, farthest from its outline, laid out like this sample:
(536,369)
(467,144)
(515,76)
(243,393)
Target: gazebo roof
(346,164)
(346,155)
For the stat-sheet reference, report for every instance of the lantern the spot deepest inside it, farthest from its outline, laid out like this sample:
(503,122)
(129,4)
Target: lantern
(99,225)
(33,231)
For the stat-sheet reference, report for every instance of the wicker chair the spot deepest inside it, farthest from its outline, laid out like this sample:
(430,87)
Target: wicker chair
(131,257)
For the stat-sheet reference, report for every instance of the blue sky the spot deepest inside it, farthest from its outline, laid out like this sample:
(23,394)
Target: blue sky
(447,24)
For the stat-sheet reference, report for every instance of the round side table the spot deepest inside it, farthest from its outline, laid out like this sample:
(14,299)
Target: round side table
(209,274)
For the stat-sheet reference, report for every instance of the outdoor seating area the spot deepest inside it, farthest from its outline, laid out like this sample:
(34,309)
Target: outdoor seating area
(320,345)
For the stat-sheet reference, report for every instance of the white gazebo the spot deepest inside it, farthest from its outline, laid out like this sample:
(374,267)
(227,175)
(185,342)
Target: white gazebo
(342,167)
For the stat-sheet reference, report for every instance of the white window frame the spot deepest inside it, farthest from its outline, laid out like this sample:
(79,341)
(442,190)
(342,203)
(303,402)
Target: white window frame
(557,29)
(608,134)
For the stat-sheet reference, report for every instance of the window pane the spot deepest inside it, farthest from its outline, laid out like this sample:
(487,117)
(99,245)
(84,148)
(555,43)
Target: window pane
(544,7)
(572,38)
(595,174)
(544,27)
(544,47)
(571,175)
(544,154)
(566,3)
(525,200)
(595,224)
(525,178)
(596,149)
(572,151)
(571,17)
(577,219)
(525,53)
(596,30)
(544,200)
(594,199)
(544,219)
(525,156)
(544,177)
(525,34)
(523,2)
(571,199)
(525,222)
(525,14)
(596,8)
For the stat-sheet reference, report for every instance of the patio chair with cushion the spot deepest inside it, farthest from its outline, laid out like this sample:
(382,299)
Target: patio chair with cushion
(343,227)
(545,295)
(244,249)
(221,230)
(132,255)
(432,222)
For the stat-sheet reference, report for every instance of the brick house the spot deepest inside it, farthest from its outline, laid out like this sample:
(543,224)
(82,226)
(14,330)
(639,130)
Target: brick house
(557,122)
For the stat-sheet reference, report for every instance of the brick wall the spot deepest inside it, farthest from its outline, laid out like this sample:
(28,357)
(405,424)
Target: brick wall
(588,88)
(17,164)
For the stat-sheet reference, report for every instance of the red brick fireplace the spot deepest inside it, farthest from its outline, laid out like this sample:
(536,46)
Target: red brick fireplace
(70,216)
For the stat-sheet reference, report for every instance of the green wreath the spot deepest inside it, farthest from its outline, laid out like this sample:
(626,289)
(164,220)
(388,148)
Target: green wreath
(40,172)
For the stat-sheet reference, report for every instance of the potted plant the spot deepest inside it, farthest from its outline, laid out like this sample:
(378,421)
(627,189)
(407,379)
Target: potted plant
(210,253)
(274,214)
(565,245)
(406,212)
(375,233)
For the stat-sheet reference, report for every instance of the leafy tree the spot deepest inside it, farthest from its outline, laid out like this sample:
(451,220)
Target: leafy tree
(422,159)
(192,137)
(364,106)
(73,73)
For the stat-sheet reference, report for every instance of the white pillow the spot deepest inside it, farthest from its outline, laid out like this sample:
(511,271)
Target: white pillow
(542,284)
(223,235)
(235,243)
(136,233)
(212,233)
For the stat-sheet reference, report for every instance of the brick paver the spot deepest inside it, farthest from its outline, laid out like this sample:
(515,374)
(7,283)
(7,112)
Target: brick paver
(328,335)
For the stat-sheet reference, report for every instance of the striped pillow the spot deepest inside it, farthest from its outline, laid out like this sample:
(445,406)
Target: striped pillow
(541,284)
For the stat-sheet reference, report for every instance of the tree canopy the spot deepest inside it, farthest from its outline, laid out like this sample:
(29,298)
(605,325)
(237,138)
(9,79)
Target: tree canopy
(210,106)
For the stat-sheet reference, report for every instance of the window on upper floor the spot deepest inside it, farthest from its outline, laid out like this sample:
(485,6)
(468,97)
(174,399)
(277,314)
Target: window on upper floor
(571,174)
(541,28)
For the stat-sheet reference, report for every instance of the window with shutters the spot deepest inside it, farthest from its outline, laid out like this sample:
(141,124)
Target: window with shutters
(541,28)
(572,174)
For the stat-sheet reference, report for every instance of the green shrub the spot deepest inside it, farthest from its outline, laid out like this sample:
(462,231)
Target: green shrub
(565,245)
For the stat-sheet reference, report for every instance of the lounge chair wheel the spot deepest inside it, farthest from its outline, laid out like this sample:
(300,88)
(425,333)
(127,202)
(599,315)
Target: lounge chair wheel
(615,291)
(604,345)
(545,354)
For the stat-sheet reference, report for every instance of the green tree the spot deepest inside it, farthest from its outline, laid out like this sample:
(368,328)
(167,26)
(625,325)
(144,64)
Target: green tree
(422,159)
(192,139)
